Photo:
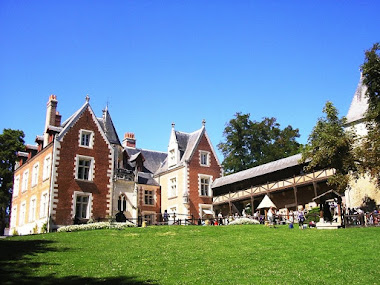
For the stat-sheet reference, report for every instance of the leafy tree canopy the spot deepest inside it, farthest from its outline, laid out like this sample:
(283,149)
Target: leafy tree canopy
(250,143)
(369,150)
(11,141)
(330,146)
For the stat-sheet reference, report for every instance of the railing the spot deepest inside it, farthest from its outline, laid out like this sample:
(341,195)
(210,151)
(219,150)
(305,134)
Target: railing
(360,220)
(124,174)
(158,219)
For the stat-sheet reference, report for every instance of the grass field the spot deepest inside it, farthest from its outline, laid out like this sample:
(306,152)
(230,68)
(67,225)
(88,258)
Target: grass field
(251,254)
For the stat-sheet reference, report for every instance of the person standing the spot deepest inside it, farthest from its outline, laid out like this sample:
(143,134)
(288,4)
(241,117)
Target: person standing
(220,218)
(166,217)
(301,218)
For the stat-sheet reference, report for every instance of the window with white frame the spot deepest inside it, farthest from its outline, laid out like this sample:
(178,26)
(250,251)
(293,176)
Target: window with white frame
(21,221)
(25,180)
(82,205)
(172,158)
(35,171)
(85,166)
(32,209)
(13,216)
(148,197)
(44,205)
(86,138)
(204,157)
(204,185)
(122,203)
(46,167)
(16,185)
(173,187)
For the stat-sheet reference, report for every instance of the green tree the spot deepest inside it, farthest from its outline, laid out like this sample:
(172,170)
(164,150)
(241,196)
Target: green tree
(250,143)
(11,141)
(330,146)
(369,150)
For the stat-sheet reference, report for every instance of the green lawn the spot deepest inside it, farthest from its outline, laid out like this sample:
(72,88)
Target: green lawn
(251,254)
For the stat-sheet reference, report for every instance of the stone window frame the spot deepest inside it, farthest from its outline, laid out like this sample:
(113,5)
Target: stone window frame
(210,179)
(206,154)
(32,208)
(84,132)
(25,181)
(123,203)
(13,217)
(16,185)
(202,207)
(35,173)
(89,204)
(152,195)
(172,195)
(46,167)
(22,215)
(91,168)
(172,157)
(44,206)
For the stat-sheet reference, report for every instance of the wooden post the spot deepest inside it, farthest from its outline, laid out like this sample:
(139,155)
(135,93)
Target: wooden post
(315,186)
(295,196)
(252,205)
(339,220)
(321,209)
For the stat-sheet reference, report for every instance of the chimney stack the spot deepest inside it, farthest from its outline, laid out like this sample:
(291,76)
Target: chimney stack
(51,119)
(129,140)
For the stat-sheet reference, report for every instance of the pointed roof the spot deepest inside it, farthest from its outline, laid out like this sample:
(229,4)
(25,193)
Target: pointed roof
(108,127)
(359,104)
(187,143)
(66,126)
(266,203)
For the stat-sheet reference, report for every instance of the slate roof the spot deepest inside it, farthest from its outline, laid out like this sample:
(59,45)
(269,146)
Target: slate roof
(152,161)
(359,104)
(187,143)
(258,170)
(105,123)
(109,128)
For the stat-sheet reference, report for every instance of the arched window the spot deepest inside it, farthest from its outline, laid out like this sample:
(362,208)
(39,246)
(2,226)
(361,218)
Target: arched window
(122,203)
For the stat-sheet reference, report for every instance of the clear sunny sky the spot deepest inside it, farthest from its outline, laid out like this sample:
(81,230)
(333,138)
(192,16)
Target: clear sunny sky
(158,62)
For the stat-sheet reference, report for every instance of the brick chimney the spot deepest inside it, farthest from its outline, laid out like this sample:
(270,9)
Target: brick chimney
(51,113)
(129,140)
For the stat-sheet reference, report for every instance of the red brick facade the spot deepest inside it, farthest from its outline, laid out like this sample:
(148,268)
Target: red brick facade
(66,182)
(195,169)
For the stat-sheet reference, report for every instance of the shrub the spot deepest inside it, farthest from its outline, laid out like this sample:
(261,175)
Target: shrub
(44,228)
(96,226)
(244,221)
(312,215)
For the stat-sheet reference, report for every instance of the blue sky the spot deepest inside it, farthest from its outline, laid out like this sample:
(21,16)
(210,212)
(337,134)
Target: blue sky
(158,62)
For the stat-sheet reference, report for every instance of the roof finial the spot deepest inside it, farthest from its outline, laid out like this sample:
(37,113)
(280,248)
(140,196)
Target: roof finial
(203,122)
(87,98)
(173,125)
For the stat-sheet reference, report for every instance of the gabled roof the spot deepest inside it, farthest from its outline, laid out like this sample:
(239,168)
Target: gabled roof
(359,104)
(258,170)
(153,159)
(66,126)
(187,144)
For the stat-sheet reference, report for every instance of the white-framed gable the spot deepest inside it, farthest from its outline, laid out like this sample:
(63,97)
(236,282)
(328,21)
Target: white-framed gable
(73,119)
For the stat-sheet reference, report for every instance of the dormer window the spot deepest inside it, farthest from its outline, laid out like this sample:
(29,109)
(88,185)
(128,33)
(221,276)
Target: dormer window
(204,157)
(172,157)
(86,138)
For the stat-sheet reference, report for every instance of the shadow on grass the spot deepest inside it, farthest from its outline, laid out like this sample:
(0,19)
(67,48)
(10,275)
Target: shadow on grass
(16,266)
